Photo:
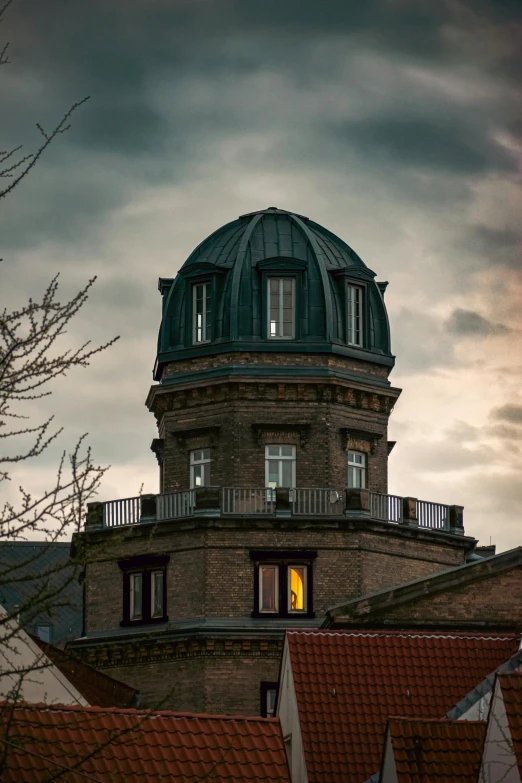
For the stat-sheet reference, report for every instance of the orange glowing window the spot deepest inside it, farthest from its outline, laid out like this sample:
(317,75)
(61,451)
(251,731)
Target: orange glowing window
(296,592)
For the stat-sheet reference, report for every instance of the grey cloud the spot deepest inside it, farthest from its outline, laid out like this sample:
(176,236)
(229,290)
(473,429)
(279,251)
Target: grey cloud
(420,343)
(511,413)
(469,323)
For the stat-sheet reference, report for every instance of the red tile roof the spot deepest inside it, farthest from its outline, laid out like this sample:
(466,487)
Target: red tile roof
(134,746)
(349,682)
(97,688)
(511,685)
(445,751)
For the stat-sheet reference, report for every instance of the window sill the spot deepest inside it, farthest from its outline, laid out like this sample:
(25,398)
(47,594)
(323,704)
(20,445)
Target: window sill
(144,621)
(283,615)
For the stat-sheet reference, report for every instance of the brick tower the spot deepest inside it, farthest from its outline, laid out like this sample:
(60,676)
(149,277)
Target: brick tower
(272,401)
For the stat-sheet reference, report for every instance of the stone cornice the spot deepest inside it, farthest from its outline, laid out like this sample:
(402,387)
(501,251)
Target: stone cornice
(142,649)
(332,389)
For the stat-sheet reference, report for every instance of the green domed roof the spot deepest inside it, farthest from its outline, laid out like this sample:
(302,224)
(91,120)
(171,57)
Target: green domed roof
(238,256)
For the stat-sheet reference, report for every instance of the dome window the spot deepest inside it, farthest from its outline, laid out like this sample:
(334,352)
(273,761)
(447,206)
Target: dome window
(202,312)
(281,308)
(354,311)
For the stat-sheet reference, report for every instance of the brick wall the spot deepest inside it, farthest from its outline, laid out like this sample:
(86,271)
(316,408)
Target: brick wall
(496,600)
(211,574)
(221,414)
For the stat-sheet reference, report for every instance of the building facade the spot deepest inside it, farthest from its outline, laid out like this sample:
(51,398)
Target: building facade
(272,401)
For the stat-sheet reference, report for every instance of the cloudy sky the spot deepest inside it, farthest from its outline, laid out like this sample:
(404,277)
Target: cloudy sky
(397,124)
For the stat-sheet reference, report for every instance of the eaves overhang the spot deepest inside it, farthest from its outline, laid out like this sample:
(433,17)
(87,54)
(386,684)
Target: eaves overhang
(270,347)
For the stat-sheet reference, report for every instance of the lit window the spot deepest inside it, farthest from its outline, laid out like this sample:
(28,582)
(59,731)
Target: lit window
(136,596)
(200,468)
(297,588)
(354,325)
(281,307)
(280,466)
(201,309)
(156,602)
(283,583)
(356,470)
(269,588)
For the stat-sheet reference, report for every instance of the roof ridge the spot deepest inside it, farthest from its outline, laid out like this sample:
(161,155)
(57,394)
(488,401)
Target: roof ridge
(41,706)
(403,634)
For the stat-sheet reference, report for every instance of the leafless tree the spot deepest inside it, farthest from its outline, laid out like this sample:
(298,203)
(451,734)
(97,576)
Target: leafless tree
(33,354)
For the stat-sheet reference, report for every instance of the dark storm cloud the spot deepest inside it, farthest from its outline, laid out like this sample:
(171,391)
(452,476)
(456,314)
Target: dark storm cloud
(495,246)
(425,143)
(469,323)
(511,413)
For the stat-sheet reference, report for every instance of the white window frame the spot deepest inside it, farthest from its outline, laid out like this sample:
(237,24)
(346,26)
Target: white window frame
(275,567)
(132,577)
(197,463)
(354,315)
(270,713)
(280,309)
(201,331)
(360,467)
(153,575)
(281,459)
(305,588)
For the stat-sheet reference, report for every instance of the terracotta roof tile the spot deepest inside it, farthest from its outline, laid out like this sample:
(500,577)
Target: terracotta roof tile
(511,685)
(445,751)
(134,746)
(349,682)
(96,687)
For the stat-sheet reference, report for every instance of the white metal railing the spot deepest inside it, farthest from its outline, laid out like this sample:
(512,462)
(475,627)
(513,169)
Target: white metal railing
(433,515)
(388,508)
(237,500)
(173,505)
(121,512)
(318,502)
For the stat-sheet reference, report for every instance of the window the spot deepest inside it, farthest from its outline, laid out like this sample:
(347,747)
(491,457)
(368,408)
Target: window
(201,312)
(43,632)
(297,588)
(356,470)
(269,588)
(283,583)
(279,466)
(156,597)
(281,308)
(354,309)
(200,468)
(136,596)
(268,699)
(144,589)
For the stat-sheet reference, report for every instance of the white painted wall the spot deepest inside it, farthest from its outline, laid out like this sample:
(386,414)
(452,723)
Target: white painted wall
(288,714)
(499,764)
(389,770)
(25,670)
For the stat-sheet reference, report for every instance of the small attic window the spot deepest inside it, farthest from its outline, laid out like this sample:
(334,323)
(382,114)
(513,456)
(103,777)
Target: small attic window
(281,308)
(201,312)
(354,314)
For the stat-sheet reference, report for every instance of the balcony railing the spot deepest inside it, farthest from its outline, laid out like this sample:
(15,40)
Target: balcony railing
(238,500)
(121,512)
(317,502)
(256,502)
(387,508)
(173,505)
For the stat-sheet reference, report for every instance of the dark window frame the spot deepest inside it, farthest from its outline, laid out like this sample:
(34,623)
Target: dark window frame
(264,687)
(284,559)
(145,565)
